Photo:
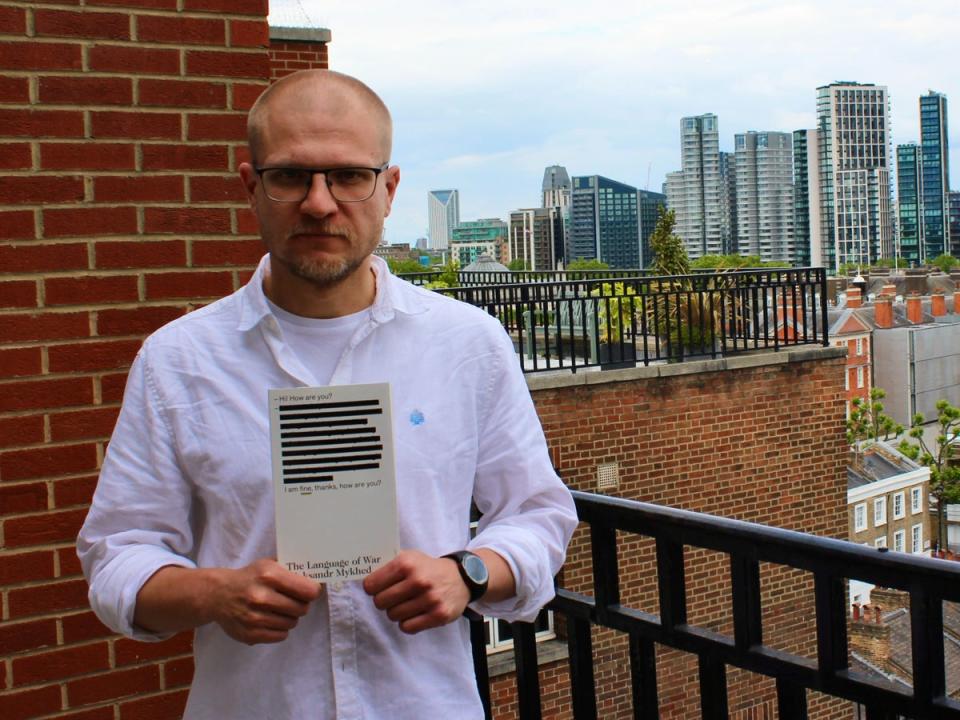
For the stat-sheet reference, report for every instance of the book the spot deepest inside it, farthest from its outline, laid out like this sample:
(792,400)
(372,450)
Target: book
(334,479)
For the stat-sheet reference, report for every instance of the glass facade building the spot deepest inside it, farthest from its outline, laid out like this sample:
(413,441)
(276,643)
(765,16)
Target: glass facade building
(443,215)
(806,199)
(934,176)
(910,228)
(649,205)
(534,236)
(474,238)
(605,222)
(764,195)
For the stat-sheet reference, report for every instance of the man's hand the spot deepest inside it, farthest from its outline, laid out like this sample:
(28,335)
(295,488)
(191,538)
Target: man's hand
(259,603)
(418,591)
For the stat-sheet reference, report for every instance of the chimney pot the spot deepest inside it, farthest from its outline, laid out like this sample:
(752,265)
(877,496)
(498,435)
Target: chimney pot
(914,309)
(883,311)
(854,297)
(938,304)
(877,612)
(856,611)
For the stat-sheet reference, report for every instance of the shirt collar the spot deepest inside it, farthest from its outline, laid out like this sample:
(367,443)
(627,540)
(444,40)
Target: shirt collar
(390,297)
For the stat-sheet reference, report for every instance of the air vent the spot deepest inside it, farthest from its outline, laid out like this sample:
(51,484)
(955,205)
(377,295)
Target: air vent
(608,476)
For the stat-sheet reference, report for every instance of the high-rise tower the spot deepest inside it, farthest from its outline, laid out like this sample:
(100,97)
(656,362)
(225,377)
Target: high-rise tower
(910,225)
(853,123)
(443,212)
(806,198)
(764,195)
(605,222)
(935,175)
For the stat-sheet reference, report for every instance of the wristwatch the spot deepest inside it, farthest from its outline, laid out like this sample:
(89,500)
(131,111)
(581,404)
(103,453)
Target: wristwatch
(472,570)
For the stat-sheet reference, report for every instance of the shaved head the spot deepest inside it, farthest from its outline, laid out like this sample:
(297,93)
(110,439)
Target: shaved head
(331,92)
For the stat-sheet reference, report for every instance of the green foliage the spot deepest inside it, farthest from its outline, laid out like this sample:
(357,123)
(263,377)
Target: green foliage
(944,470)
(448,276)
(734,262)
(405,266)
(945,262)
(517,265)
(868,422)
(669,254)
(583,264)
(617,306)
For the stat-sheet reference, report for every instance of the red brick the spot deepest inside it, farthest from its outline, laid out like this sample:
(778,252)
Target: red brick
(60,664)
(87,156)
(22,429)
(30,703)
(86,25)
(180,30)
(91,289)
(112,387)
(141,254)
(233,7)
(187,221)
(42,258)
(247,223)
(14,89)
(19,362)
(179,672)
(150,4)
(82,425)
(158,707)
(93,356)
(41,123)
(132,652)
(17,224)
(17,294)
(44,326)
(34,395)
(32,55)
(125,59)
(83,626)
(96,220)
(115,684)
(46,461)
(78,90)
(217,189)
(245,94)
(75,491)
(100,713)
(13,20)
(249,33)
(41,189)
(138,188)
(69,562)
(182,93)
(58,597)
(26,567)
(189,285)
(221,126)
(16,156)
(136,321)
(139,125)
(227,252)
(19,498)
(17,637)
(228,64)
(185,157)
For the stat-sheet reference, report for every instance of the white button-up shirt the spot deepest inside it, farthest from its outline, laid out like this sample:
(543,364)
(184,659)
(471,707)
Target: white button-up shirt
(187,481)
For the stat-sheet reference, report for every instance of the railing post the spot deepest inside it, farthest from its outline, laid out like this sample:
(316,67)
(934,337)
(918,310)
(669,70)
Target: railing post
(582,685)
(528,675)
(830,598)
(713,689)
(745,584)
(926,634)
(643,674)
(791,701)
(478,646)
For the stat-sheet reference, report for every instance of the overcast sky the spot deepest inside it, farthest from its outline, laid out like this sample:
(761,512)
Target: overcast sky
(486,94)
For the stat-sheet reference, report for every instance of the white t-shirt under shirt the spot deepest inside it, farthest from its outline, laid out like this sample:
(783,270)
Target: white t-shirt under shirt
(318,342)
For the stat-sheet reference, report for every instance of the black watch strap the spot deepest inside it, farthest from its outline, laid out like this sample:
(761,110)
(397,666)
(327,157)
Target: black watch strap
(473,571)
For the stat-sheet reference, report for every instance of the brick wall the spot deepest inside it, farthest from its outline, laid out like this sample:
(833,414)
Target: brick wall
(293,49)
(121,125)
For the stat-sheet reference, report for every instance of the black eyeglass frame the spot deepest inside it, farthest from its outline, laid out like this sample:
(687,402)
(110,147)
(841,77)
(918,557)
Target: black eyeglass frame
(321,171)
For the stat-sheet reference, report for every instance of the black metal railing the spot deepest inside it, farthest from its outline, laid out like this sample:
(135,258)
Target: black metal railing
(928,581)
(471,278)
(630,320)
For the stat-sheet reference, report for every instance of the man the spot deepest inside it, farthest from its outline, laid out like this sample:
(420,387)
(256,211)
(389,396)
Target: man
(181,534)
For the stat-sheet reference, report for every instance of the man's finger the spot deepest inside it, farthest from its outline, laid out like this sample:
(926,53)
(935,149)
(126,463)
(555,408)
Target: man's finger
(384,577)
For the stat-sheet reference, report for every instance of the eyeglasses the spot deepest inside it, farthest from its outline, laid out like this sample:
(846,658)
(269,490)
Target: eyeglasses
(346,184)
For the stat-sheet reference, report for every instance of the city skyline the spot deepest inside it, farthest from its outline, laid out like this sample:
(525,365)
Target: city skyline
(484,107)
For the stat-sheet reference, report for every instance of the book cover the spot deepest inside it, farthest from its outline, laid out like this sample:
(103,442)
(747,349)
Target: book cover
(334,479)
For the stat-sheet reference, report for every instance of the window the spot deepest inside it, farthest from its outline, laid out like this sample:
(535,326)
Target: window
(898,538)
(898,511)
(860,377)
(860,517)
(880,541)
(916,500)
(880,511)
(846,380)
(859,346)
(916,539)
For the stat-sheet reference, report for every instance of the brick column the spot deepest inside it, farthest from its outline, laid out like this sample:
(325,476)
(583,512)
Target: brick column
(293,49)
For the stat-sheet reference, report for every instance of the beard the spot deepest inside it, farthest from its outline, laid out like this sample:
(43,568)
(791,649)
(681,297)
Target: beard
(327,271)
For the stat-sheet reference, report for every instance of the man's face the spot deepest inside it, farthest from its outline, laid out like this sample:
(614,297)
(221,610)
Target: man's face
(319,239)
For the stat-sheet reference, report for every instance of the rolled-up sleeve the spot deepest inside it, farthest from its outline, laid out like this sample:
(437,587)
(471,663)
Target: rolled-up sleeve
(528,515)
(140,518)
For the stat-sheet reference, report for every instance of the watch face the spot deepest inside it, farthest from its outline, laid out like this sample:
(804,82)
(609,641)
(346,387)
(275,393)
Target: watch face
(475,568)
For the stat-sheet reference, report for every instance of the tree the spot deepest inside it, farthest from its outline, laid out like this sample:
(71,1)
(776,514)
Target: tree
(405,266)
(583,264)
(517,265)
(868,422)
(449,276)
(669,254)
(945,262)
(944,471)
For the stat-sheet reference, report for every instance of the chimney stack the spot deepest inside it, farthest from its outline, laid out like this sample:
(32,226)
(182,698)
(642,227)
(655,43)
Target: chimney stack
(854,298)
(889,289)
(956,302)
(883,311)
(914,309)
(938,304)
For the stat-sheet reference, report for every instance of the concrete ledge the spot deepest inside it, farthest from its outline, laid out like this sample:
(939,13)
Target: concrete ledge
(297,34)
(762,358)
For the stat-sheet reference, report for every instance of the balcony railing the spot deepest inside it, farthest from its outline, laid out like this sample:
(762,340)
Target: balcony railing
(650,319)
(611,521)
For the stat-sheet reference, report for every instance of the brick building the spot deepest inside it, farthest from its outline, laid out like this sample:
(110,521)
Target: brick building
(122,124)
